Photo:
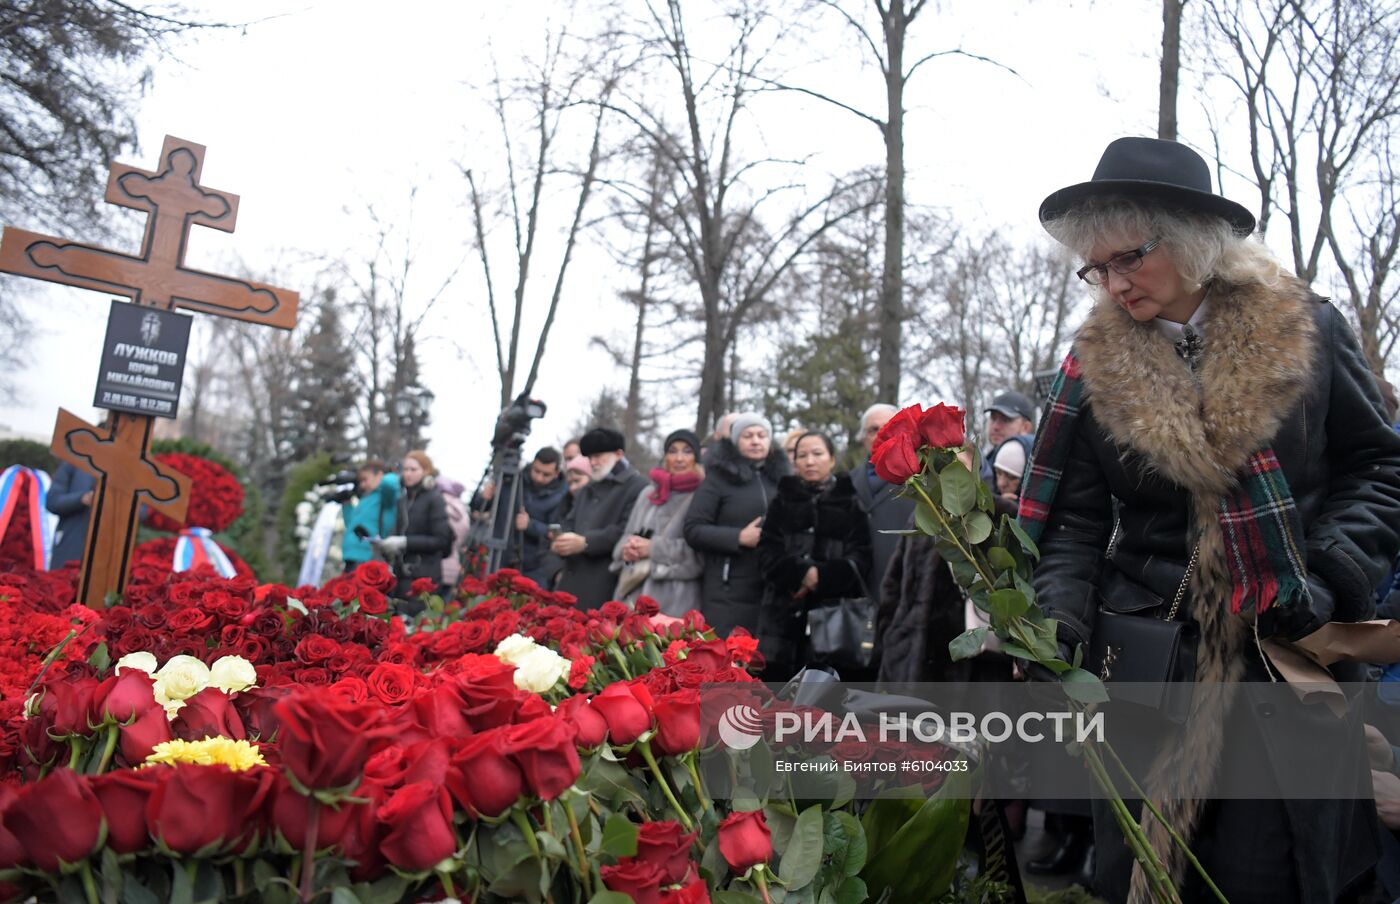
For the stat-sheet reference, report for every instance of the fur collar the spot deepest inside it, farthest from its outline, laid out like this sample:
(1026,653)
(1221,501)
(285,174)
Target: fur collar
(739,470)
(840,493)
(1259,352)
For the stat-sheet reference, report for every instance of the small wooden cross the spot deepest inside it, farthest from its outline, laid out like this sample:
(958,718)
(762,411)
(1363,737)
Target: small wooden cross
(126,480)
(127,477)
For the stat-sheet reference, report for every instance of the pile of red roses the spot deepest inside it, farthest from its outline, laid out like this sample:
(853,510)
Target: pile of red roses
(895,452)
(216,496)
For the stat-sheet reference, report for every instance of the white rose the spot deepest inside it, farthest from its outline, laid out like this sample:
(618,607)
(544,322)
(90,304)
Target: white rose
(540,669)
(142,662)
(232,673)
(181,678)
(515,648)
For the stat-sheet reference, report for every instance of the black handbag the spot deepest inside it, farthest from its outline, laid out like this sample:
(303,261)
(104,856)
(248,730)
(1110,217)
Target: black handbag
(1151,660)
(841,632)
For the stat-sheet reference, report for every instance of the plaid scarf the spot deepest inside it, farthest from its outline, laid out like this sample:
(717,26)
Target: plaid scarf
(1258,519)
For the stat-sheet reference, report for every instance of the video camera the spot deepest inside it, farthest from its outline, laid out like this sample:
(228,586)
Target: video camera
(513,425)
(344,482)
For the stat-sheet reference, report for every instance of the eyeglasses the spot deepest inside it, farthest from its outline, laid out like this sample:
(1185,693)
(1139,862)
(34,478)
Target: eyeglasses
(1126,262)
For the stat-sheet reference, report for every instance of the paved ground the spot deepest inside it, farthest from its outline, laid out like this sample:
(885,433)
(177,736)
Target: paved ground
(1035,844)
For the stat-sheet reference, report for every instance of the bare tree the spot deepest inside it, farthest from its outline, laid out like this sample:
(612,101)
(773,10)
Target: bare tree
(560,89)
(1001,314)
(1171,69)
(1320,85)
(895,18)
(716,212)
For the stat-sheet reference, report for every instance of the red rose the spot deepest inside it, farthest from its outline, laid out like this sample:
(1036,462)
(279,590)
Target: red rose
(942,426)
(666,846)
(140,737)
(373,602)
(208,714)
(544,750)
(647,606)
(421,586)
(324,739)
(694,893)
(189,620)
(627,709)
(439,711)
(392,683)
(677,723)
(128,695)
(57,820)
(315,649)
(579,671)
(255,708)
(427,761)
(904,424)
(375,575)
(343,588)
(124,794)
(11,851)
(636,877)
(291,812)
(418,817)
(352,688)
(745,841)
(475,635)
(590,728)
(482,778)
(199,807)
(896,460)
(67,704)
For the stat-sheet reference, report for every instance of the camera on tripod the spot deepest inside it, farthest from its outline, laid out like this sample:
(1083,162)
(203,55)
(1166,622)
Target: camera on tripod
(512,429)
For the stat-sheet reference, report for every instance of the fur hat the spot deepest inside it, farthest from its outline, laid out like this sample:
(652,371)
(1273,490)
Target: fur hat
(601,439)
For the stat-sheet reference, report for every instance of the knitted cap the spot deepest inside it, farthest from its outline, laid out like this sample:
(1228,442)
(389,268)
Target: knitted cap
(746,419)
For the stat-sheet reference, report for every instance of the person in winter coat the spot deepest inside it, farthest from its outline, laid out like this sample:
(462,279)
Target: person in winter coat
(725,521)
(460,519)
(815,546)
(374,508)
(422,534)
(70,498)
(1208,376)
(596,518)
(921,611)
(542,498)
(882,503)
(652,558)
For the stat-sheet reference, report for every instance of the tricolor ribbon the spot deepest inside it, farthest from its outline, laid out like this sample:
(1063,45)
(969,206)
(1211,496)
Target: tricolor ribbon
(196,546)
(35,491)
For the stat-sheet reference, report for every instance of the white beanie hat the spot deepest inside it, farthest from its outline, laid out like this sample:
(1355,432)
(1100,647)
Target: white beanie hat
(1010,458)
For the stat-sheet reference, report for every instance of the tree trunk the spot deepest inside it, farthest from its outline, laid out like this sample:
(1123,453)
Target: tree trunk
(892,276)
(711,404)
(1171,69)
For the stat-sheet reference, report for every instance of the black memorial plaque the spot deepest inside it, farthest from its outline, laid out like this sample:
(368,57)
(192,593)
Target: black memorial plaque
(143,360)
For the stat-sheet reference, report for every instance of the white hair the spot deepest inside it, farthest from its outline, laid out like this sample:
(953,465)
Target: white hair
(878,408)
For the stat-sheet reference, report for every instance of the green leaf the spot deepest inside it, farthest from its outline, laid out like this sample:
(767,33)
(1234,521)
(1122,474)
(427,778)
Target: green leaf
(99,658)
(1006,605)
(1026,542)
(1011,648)
(885,816)
(803,856)
(854,851)
(733,897)
(851,891)
(978,527)
(181,884)
(927,521)
(1084,686)
(343,895)
(967,644)
(1001,559)
(610,897)
(919,862)
(959,489)
(134,892)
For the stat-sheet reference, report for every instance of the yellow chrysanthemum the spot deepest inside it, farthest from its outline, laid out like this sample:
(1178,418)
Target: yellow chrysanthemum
(237,755)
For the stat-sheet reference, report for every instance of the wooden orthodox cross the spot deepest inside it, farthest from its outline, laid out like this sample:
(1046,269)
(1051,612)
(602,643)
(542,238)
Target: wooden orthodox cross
(119,456)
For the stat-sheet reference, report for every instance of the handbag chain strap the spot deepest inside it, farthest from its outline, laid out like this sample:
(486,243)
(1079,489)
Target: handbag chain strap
(1185,580)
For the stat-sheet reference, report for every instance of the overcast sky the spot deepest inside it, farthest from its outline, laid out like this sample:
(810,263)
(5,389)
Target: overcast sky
(324,108)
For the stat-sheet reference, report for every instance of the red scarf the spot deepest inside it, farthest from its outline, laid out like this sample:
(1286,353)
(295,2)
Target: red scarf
(668,483)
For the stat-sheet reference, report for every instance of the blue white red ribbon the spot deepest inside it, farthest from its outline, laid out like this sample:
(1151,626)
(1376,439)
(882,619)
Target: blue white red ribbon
(14,490)
(196,546)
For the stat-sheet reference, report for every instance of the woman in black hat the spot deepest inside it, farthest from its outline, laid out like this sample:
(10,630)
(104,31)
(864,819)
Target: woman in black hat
(652,558)
(1225,413)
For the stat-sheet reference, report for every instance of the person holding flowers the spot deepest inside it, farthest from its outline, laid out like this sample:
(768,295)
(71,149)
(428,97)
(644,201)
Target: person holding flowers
(1214,451)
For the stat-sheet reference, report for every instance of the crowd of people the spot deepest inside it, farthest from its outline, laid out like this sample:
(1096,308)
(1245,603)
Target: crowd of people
(1216,455)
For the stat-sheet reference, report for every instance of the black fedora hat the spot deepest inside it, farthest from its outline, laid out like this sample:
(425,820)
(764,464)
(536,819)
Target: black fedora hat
(1150,169)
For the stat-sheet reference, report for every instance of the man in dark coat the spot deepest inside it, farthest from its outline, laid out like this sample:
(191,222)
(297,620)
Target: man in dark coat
(881,502)
(725,524)
(596,519)
(542,498)
(70,498)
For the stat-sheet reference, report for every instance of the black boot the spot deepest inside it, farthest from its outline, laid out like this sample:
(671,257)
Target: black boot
(1068,857)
